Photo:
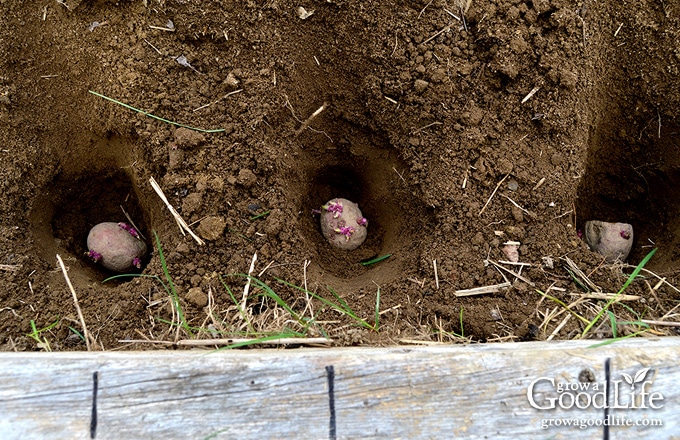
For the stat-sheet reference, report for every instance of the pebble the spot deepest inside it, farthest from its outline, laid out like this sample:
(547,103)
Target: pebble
(246,178)
(211,228)
(185,138)
(196,297)
(421,85)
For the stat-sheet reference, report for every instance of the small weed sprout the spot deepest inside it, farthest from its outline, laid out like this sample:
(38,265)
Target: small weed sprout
(41,340)
(630,279)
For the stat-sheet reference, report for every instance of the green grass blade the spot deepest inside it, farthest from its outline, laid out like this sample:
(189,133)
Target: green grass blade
(556,300)
(261,340)
(218,130)
(637,323)
(343,303)
(637,270)
(174,295)
(612,322)
(77,333)
(268,292)
(376,260)
(273,295)
(49,327)
(255,217)
(611,341)
(241,312)
(341,307)
(577,281)
(630,279)
(35,334)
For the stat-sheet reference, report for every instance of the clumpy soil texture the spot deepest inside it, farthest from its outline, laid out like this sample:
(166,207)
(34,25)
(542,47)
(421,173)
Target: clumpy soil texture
(456,126)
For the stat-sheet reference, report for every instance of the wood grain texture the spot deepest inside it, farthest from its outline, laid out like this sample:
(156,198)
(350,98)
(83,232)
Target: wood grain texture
(477,391)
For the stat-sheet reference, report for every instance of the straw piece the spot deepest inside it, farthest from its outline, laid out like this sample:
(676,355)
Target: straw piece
(482,290)
(75,300)
(180,221)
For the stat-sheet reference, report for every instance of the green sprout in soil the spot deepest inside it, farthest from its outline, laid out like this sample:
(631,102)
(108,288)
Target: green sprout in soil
(77,333)
(458,337)
(41,340)
(614,322)
(563,305)
(258,333)
(256,330)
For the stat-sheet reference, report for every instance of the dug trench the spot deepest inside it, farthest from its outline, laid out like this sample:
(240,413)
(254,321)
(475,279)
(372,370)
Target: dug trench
(454,138)
(632,167)
(634,180)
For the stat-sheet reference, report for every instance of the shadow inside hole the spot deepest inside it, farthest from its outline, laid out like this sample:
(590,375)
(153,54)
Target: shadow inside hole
(71,206)
(635,180)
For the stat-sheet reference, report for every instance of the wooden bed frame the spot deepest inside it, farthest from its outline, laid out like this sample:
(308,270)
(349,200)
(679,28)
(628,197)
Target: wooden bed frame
(438,392)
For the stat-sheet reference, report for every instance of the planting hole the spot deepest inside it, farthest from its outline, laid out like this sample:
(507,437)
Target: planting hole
(72,205)
(366,174)
(632,176)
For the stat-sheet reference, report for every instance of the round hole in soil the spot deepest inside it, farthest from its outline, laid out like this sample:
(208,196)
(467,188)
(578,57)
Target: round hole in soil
(64,214)
(635,179)
(397,221)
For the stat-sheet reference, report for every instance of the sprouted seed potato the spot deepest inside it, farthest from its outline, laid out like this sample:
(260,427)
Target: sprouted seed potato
(342,224)
(116,246)
(611,240)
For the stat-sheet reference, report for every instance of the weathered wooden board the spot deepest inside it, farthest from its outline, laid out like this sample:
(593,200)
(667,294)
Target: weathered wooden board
(399,392)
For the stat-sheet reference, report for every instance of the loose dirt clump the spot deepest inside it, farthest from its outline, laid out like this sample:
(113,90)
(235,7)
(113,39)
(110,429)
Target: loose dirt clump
(457,127)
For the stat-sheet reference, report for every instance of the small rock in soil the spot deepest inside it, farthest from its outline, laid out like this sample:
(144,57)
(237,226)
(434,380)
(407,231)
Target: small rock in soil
(211,228)
(196,297)
(231,81)
(187,139)
(511,251)
(246,178)
(420,85)
(191,203)
(517,214)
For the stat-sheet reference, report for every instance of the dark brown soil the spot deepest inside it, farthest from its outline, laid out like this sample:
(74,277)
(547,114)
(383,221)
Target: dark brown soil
(424,119)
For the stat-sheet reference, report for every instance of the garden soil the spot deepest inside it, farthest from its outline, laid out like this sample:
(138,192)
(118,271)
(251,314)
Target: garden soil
(457,126)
